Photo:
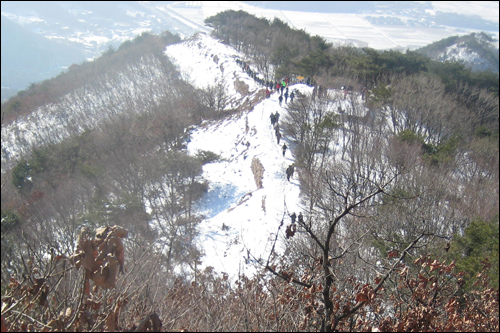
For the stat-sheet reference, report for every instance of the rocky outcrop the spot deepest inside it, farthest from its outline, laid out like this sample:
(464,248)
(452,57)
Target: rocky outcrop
(258,172)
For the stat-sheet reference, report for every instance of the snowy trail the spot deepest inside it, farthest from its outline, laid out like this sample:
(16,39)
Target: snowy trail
(248,218)
(241,220)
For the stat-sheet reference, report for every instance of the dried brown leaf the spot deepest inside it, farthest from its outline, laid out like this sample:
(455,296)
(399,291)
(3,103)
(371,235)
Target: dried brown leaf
(362,298)
(392,254)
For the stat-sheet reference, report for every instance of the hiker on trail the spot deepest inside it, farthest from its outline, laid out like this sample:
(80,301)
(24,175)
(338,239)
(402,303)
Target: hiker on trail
(292,95)
(278,86)
(277,116)
(284,149)
(280,99)
(289,171)
(286,96)
(293,217)
(273,119)
(301,218)
(278,136)
(268,93)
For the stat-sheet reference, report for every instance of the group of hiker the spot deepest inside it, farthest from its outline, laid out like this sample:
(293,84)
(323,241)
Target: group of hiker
(292,228)
(275,124)
(254,75)
(286,95)
(280,86)
(293,216)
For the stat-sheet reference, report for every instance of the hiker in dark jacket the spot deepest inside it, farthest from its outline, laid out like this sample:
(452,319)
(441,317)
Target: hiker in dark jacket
(292,95)
(273,119)
(284,149)
(289,171)
(288,174)
(280,99)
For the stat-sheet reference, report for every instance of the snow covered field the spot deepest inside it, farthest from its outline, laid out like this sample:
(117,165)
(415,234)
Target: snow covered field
(355,29)
(390,29)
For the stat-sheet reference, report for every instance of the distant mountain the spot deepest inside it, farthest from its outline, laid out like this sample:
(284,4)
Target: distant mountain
(40,39)
(478,51)
(29,57)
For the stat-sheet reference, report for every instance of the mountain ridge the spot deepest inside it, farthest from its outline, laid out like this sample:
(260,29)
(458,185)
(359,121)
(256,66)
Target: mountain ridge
(478,51)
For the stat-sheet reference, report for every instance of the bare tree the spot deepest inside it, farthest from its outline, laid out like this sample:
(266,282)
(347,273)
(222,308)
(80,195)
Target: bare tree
(216,97)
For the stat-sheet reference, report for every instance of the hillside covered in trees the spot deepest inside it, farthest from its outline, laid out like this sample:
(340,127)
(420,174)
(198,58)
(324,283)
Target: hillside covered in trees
(398,177)
(475,51)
